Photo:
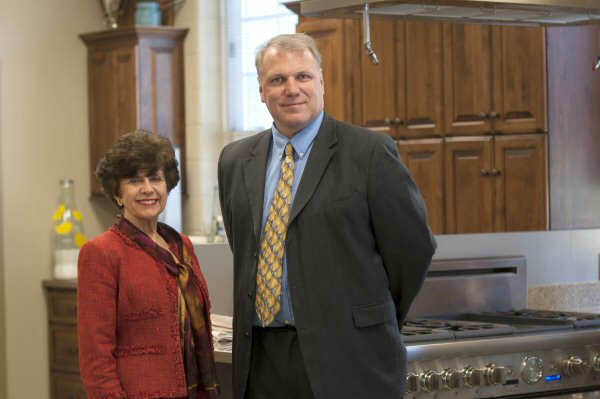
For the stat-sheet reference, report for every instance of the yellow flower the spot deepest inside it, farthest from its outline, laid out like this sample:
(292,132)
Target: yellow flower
(77,215)
(80,239)
(64,228)
(58,214)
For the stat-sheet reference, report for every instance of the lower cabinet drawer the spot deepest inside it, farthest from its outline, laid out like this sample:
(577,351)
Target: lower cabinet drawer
(64,350)
(67,386)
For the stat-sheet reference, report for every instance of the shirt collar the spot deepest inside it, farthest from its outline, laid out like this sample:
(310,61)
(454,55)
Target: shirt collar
(301,140)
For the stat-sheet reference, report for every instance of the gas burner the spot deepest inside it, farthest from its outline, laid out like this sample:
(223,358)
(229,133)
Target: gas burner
(577,319)
(421,334)
(462,328)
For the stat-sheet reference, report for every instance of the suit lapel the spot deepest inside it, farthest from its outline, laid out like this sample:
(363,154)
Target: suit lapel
(321,153)
(254,168)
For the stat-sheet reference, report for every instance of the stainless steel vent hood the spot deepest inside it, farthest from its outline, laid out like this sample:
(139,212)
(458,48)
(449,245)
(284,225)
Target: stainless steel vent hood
(501,12)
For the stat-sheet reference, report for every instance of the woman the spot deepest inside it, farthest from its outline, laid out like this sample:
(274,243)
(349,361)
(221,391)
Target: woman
(143,308)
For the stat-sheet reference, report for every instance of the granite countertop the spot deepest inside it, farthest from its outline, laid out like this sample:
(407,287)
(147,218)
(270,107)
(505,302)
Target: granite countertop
(579,297)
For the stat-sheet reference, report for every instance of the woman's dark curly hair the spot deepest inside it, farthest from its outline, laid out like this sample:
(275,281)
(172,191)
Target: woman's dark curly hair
(135,151)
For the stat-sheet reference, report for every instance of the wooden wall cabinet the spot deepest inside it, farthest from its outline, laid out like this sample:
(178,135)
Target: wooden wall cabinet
(403,95)
(496,184)
(338,43)
(135,81)
(458,98)
(495,79)
(425,160)
(65,380)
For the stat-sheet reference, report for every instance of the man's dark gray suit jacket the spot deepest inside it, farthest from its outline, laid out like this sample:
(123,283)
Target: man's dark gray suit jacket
(358,248)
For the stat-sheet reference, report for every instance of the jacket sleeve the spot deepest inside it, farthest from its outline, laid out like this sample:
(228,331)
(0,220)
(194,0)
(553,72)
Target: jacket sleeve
(97,315)
(399,220)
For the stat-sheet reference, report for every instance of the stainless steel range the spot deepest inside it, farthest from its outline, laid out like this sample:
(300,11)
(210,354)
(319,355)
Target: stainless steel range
(469,334)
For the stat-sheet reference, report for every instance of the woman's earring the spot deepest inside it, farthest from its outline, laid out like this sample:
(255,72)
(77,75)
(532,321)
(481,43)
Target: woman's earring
(120,202)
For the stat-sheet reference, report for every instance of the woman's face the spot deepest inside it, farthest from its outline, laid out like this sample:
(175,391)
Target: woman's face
(144,196)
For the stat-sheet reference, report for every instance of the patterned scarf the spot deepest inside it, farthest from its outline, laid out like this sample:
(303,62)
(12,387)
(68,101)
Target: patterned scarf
(200,369)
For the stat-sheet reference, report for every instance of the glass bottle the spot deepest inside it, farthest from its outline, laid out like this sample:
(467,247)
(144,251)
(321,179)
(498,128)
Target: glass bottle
(217,228)
(68,232)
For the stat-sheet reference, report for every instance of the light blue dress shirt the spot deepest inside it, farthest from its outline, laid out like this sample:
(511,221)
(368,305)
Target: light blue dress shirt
(302,143)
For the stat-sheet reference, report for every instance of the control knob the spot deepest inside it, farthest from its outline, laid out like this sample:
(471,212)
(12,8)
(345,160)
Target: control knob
(574,366)
(596,363)
(412,383)
(430,380)
(472,376)
(451,378)
(494,374)
(532,369)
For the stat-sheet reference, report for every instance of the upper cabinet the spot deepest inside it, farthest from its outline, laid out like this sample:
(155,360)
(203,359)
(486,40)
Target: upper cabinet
(403,95)
(338,43)
(466,104)
(495,79)
(496,184)
(135,81)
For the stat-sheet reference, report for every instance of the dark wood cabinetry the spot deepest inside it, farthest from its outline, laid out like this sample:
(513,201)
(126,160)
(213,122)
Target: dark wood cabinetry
(135,81)
(61,299)
(495,79)
(403,95)
(338,43)
(425,160)
(467,105)
(496,184)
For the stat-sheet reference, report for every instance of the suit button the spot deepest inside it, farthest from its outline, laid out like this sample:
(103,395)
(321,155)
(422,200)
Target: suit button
(249,294)
(255,254)
(247,334)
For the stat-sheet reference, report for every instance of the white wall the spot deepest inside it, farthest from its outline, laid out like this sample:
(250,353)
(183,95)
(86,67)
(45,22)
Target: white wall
(2,323)
(44,137)
(204,85)
(553,257)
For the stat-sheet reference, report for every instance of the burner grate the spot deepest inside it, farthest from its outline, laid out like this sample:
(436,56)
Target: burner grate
(462,328)
(577,319)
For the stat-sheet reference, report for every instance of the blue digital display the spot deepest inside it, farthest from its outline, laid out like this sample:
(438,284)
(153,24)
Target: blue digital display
(555,377)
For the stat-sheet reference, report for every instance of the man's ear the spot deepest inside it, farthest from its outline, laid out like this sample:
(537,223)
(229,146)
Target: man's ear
(260,91)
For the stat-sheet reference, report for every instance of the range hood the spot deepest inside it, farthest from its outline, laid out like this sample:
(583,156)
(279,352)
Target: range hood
(498,12)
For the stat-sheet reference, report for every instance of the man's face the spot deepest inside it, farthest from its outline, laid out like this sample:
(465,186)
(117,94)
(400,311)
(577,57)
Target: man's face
(291,85)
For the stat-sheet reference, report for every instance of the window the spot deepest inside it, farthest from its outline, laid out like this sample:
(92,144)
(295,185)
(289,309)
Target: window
(249,24)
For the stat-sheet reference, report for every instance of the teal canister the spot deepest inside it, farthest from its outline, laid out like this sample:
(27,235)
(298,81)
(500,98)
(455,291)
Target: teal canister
(148,13)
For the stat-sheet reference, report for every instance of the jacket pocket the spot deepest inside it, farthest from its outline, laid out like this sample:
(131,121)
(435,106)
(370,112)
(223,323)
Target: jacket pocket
(370,315)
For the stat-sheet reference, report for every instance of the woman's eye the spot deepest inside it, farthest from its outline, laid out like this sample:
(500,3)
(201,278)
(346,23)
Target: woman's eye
(156,178)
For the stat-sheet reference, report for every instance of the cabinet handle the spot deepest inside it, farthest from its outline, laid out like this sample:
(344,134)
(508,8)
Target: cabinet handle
(375,123)
(398,121)
(495,172)
(484,173)
(482,115)
(494,115)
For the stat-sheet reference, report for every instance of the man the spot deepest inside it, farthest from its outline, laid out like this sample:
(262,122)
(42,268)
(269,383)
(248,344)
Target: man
(317,306)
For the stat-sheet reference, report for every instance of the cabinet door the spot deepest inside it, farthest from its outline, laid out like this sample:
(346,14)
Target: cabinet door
(519,80)
(520,183)
(425,160)
(469,188)
(337,41)
(467,78)
(379,83)
(420,84)
(112,82)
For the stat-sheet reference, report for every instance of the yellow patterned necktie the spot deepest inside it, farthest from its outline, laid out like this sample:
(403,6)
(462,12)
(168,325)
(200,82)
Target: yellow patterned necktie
(272,246)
